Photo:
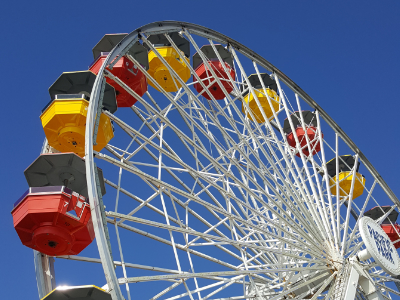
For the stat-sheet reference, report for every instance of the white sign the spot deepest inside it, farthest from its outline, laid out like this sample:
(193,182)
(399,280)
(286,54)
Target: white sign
(379,246)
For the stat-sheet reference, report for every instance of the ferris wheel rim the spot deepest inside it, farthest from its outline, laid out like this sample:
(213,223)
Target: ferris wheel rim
(93,106)
(172,25)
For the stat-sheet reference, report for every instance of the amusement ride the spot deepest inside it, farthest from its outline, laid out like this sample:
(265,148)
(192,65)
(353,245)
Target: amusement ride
(201,171)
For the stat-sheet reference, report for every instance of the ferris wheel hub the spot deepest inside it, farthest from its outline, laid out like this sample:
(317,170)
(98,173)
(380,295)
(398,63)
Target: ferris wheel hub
(337,261)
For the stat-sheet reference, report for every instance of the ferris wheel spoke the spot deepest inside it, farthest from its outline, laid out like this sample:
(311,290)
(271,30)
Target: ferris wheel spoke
(385,278)
(117,152)
(388,289)
(349,206)
(123,265)
(205,222)
(218,290)
(277,250)
(242,231)
(149,142)
(355,247)
(333,224)
(189,243)
(211,70)
(199,289)
(188,291)
(239,227)
(337,186)
(316,194)
(170,149)
(355,229)
(323,286)
(118,263)
(272,178)
(305,196)
(202,219)
(166,290)
(386,297)
(169,170)
(221,273)
(280,128)
(297,287)
(317,219)
(310,212)
(180,247)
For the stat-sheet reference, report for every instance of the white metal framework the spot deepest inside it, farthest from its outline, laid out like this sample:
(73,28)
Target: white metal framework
(204,203)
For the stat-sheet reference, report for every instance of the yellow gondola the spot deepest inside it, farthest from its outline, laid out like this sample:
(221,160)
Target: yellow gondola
(249,98)
(345,177)
(64,124)
(159,71)
(83,292)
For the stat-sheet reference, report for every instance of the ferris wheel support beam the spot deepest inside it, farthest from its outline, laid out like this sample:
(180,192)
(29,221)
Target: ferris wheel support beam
(44,265)
(358,276)
(44,269)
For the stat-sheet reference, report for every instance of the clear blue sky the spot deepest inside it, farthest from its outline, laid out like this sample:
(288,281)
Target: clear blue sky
(344,54)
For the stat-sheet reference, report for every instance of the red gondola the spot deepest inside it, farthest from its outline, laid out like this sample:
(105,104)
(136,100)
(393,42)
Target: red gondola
(53,220)
(311,131)
(124,69)
(205,74)
(53,216)
(393,232)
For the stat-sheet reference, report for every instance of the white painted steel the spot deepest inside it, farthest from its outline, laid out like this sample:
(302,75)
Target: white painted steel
(101,240)
(352,284)
(242,216)
(44,271)
(44,265)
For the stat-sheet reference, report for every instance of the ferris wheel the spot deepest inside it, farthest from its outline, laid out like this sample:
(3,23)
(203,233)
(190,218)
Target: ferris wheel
(224,179)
